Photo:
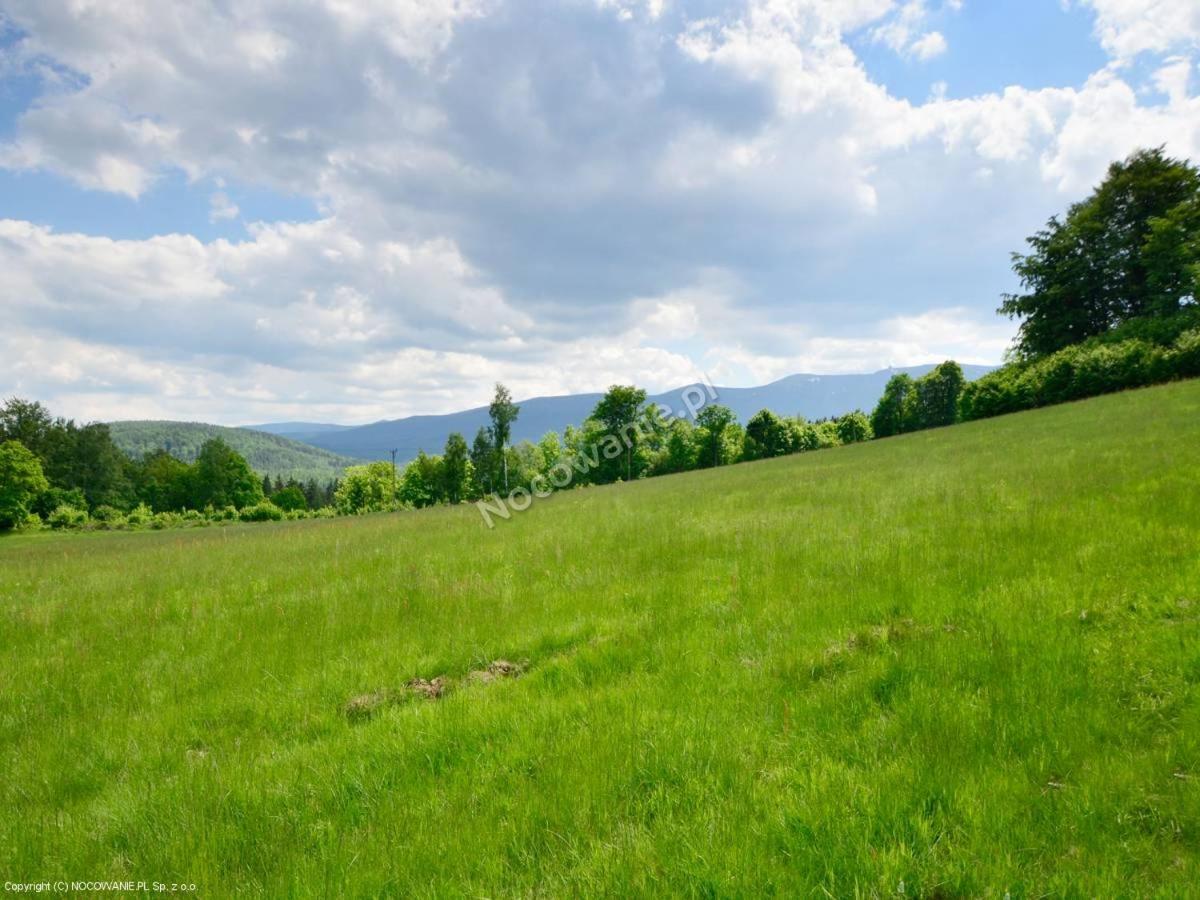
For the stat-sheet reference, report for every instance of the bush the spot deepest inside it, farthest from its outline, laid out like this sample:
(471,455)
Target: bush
(853,428)
(32,522)
(163,520)
(68,517)
(139,515)
(265,511)
(1185,354)
(290,499)
(1085,370)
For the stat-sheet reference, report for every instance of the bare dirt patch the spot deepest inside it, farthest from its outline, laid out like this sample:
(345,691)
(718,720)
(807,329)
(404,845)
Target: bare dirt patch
(433,689)
(363,706)
(500,668)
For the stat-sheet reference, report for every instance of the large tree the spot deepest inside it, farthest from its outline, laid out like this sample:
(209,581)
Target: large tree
(894,411)
(483,462)
(937,396)
(503,413)
(1099,267)
(618,412)
(766,436)
(162,482)
(456,469)
(222,477)
(714,420)
(21,480)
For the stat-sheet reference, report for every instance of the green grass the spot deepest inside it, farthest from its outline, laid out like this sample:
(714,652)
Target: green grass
(962,662)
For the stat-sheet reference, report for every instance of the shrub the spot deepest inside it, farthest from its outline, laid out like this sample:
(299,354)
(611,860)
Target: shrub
(265,511)
(290,499)
(139,515)
(32,522)
(1185,354)
(1084,370)
(853,428)
(68,517)
(163,520)
(52,498)
(107,514)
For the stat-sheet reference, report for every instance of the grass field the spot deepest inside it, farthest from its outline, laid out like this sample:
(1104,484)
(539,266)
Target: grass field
(963,662)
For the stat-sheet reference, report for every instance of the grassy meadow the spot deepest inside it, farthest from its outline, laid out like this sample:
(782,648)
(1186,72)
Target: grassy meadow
(962,662)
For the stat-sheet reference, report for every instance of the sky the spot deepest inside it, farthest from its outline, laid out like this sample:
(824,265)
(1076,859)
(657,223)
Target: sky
(243,211)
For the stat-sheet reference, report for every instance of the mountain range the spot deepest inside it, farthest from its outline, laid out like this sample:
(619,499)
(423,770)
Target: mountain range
(811,396)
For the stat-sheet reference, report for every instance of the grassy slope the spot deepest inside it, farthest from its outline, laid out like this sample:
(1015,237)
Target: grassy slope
(268,454)
(964,660)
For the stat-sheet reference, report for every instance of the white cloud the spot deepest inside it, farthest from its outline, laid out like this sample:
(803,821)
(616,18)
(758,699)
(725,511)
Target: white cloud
(617,190)
(1129,27)
(221,207)
(904,33)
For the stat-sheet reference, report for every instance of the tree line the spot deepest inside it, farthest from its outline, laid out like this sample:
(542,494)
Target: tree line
(1110,302)
(623,439)
(55,471)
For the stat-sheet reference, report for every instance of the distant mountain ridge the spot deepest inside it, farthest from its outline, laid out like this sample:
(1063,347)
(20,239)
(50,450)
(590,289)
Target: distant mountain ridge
(297,431)
(811,396)
(267,454)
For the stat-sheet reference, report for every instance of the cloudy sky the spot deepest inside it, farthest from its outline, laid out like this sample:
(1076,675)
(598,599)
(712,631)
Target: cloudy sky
(346,210)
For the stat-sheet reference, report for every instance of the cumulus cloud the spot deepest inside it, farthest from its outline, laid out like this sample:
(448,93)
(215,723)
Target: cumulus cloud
(557,194)
(1127,28)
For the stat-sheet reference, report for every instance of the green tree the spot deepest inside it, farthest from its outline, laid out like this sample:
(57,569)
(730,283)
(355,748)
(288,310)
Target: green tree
(766,436)
(714,420)
(854,428)
(618,412)
(290,499)
(1173,252)
(894,412)
(503,413)
(551,447)
(221,477)
(21,480)
(456,469)
(423,481)
(937,396)
(162,482)
(483,462)
(98,468)
(30,423)
(1099,267)
(679,447)
(366,489)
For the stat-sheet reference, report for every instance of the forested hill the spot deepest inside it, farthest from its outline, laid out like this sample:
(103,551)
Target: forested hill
(268,454)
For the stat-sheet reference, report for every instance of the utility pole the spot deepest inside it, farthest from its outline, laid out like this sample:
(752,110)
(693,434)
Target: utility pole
(394,451)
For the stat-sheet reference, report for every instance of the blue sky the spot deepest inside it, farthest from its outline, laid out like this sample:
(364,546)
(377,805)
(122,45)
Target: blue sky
(253,211)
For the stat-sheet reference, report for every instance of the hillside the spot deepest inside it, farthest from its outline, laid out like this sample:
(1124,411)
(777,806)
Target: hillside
(297,431)
(267,454)
(812,396)
(962,662)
